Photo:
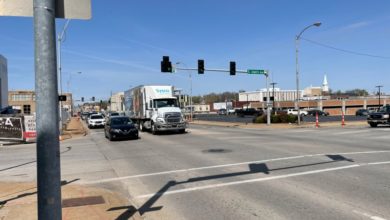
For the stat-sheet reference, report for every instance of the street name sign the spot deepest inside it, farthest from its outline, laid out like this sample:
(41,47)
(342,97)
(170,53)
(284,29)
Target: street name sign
(70,9)
(252,71)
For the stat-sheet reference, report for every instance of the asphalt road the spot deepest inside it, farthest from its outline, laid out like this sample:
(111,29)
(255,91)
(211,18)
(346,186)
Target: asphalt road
(231,173)
(249,119)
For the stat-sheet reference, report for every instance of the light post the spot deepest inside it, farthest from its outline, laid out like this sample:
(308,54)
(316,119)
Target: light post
(70,80)
(273,95)
(190,75)
(297,38)
(60,39)
(379,95)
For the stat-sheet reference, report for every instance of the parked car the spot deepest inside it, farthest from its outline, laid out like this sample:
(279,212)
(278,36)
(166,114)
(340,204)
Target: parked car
(95,120)
(361,112)
(84,115)
(295,112)
(248,111)
(222,111)
(231,111)
(118,127)
(314,112)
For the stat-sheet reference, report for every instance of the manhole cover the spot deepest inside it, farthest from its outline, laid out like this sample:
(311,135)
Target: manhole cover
(218,150)
(82,201)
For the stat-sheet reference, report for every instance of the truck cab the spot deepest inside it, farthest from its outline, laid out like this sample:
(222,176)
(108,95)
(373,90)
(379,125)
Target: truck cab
(166,115)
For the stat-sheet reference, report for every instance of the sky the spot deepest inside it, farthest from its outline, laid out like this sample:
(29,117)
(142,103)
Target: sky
(123,44)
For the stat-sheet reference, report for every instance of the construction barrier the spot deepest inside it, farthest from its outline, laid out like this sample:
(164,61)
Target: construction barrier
(317,123)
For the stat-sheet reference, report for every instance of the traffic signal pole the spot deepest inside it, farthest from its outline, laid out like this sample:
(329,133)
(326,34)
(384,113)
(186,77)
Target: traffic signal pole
(239,71)
(47,124)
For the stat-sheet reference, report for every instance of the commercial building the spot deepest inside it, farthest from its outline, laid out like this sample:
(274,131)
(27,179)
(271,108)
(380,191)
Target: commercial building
(280,95)
(3,82)
(24,101)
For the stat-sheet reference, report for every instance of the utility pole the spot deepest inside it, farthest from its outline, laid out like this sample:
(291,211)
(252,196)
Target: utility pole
(379,95)
(273,94)
(46,87)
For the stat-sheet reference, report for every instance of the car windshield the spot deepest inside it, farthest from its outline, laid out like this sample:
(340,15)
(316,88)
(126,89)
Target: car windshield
(159,103)
(96,117)
(121,121)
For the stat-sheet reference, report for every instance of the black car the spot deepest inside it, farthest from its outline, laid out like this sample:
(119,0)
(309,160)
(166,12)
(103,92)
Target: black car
(120,127)
(314,112)
(361,112)
(248,111)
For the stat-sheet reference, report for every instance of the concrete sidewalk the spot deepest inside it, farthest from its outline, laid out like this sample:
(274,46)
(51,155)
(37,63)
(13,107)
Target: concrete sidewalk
(73,129)
(19,201)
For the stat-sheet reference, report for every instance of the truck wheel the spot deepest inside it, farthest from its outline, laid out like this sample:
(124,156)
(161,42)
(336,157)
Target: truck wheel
(141,126)
(373,125)
(154,130)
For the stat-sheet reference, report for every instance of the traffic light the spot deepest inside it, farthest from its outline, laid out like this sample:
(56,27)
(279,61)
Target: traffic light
(201,66)
(82,99)
(93,98)
(166,65)
(62,98)
(232,68)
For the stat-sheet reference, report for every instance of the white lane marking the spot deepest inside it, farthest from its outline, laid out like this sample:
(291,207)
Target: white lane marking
(353,132)
(226,165)
(247,181)
(373,217)
(257,180)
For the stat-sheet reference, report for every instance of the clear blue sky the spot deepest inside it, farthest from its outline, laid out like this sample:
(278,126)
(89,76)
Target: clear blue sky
(122,45)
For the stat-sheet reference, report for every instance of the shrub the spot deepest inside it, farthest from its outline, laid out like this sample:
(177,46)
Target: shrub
(280,118)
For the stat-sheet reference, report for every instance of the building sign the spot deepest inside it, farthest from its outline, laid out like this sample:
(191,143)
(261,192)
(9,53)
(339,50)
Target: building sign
(11,128)
(30,133)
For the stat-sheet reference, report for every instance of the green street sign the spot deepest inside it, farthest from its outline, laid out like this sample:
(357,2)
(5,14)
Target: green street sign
(257,72)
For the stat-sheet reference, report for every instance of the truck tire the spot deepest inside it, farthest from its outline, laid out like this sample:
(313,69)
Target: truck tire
(373,125)
(141,126)
(154,130)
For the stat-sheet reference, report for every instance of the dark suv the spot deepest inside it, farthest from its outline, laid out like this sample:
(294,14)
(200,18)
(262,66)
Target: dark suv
(380,117)
(314,112)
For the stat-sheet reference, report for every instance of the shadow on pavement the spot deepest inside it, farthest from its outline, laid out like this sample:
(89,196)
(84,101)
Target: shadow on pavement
(63,183)
(253,168)
(23,164)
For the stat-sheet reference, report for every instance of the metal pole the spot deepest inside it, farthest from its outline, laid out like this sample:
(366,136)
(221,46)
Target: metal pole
(191,112)
(379,96)
(268,107)
(297,77)
(273,94)
(46,87)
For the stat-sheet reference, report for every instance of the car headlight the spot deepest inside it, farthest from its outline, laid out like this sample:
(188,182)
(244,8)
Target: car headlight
(116,130)
(385,116)
(161,120)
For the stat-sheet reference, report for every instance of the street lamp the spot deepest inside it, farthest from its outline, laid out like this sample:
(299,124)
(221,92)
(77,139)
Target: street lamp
(60,40)
(273,95)
(190,75)
(297,38)
(379,94)
(70,80)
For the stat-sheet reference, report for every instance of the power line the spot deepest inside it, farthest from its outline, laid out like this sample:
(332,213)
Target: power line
(343,50)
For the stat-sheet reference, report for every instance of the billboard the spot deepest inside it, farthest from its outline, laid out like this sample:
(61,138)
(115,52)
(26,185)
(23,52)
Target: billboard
(30,133)
(11,128)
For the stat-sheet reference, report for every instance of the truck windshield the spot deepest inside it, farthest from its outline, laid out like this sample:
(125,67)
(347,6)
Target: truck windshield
(160,103)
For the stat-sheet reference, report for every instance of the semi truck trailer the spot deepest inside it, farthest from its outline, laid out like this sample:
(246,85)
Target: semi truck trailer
(154,108)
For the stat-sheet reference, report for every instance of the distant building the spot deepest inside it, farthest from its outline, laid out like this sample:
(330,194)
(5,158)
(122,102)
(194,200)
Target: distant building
(312,92)
(325,86)
(3,82)
(280,95)
(117,102)
(22,100)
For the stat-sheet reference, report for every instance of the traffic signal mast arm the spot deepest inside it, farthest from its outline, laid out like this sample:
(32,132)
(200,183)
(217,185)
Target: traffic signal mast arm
(212,70)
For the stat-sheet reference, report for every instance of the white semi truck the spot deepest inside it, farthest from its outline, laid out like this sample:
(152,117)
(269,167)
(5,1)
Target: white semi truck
(154,108)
